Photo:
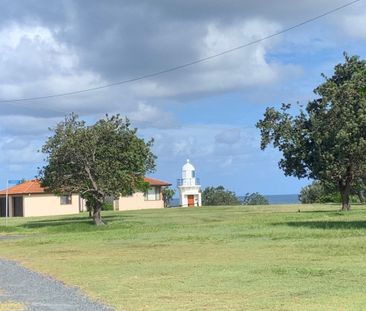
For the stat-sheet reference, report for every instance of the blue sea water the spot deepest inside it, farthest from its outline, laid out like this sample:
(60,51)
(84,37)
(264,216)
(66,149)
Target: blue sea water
(283,199)
(272,199)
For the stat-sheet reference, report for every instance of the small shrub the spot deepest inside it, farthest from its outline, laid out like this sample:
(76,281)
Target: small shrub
(219,196)
(107,206)
(255,199)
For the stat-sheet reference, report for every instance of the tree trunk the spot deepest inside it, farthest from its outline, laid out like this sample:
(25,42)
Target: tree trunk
(361,196)
(97,217)
(345,190)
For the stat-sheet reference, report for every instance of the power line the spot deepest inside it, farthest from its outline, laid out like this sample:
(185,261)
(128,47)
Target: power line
(191,63)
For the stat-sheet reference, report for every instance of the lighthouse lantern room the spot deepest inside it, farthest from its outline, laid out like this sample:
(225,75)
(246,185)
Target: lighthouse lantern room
(189,187)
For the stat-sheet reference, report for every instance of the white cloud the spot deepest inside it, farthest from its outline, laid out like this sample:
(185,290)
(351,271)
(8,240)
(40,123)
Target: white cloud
(241,70)
(355,25)
(26,125)
(200,142)
(19,151)
(149,115)
(229,136)
(58,56)
(34,63)
(31,53)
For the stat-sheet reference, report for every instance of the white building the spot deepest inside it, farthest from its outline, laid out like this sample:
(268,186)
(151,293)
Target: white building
(189,187)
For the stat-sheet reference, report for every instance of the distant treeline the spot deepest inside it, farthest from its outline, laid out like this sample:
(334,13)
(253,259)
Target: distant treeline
(221,196)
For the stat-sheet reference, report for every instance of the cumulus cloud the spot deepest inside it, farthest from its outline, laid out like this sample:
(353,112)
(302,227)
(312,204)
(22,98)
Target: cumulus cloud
(213,143)
(16,150)
(60,48)
(26,125)
(355,25)
(149,115)
(229,136)
(34,63)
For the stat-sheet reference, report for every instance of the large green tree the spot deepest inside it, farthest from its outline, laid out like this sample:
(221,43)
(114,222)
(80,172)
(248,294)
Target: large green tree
(327,140)
(106,159)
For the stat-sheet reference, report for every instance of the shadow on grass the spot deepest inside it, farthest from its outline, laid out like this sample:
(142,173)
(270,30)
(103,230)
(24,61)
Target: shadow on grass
(358,224)
(332,211)
(76,223)
(323,211)
(75,219)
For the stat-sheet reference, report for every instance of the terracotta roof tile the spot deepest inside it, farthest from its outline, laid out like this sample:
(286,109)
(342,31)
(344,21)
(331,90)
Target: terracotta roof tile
(156,182)
(30,186)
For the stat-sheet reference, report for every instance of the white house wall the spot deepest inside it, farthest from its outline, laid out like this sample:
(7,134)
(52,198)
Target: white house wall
(136,202)
(48,205)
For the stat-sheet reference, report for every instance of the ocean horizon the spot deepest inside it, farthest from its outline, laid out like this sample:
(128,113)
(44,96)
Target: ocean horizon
(283,198)
(272,199)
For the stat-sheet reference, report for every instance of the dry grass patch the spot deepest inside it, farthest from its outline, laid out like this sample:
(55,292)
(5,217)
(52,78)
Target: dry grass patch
(11,306)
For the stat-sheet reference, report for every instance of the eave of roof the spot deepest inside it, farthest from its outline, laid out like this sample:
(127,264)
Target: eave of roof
(34,186)
(156,182)
(27,187)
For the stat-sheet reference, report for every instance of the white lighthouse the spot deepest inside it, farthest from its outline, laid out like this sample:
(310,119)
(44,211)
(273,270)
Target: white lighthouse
(189,187)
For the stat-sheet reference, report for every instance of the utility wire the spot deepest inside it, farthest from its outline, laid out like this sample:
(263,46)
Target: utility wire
(191,63)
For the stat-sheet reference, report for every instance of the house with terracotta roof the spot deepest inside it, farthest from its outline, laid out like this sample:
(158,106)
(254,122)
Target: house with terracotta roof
(152,198)
(31,199)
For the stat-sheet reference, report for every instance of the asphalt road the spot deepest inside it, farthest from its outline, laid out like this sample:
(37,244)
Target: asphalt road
(41,293)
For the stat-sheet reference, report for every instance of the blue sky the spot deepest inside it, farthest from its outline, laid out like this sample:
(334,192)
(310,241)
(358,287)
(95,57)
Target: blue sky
(205,112)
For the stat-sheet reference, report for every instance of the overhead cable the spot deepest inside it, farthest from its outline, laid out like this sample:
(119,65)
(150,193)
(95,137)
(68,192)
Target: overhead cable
(184,65)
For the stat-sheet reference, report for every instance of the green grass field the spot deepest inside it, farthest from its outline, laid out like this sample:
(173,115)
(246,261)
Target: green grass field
(213,258)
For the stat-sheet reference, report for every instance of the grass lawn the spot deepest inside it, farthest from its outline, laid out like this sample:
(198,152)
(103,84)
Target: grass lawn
(213,258)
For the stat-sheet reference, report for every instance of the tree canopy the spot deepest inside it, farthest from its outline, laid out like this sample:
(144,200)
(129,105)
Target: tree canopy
(103,160)
(219,196)
(327,140)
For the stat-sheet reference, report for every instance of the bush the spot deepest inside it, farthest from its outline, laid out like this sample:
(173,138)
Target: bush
(219,196)
(318,193)
(168,194)
(107,206)
(255,199)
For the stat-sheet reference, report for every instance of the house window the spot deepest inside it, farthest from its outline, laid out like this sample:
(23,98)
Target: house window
(65,199)
(152,194)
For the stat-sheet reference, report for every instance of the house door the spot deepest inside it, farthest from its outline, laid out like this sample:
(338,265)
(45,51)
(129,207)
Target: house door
(2,207)
(191,200)
(18,206)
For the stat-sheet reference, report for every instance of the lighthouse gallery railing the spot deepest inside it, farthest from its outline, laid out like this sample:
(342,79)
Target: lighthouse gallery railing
(188,182)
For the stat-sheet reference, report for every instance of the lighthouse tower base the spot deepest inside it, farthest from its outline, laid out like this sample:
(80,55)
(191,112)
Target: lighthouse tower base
(190,196)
